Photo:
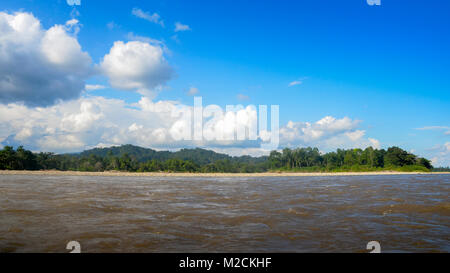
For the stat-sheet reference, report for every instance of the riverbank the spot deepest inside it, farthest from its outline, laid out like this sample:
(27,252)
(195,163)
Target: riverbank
(163,174)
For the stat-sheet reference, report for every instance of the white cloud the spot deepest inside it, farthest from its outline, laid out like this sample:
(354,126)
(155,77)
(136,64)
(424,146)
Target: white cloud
(88,114)
(72,22)
(92,121)
(132,37)
(328,133)
(295,83)
(64,51)
(164,106)
(39,67)
(96,121)
(239,151)
(446,129)
(355,135)
(441,155)
(43,72)
(61,143)
(242,97)
(180,27)
(325,127)
(92,87)
(375,143)
(154,18)
(426,128)
(443,129)
(24,134)
(87,122)
(136,66)
(193,91)
(73,26)
(221,129)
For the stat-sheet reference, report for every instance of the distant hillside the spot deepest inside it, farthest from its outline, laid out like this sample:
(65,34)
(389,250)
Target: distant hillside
(198,156)
(137,159)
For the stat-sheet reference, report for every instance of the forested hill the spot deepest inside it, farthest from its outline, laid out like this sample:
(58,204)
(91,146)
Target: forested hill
(197,156)
(137,159)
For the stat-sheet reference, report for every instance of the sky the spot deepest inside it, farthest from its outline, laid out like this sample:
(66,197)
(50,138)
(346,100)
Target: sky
(345,74)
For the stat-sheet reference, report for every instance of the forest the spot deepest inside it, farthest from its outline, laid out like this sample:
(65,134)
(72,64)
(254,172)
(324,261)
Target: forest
(129,158)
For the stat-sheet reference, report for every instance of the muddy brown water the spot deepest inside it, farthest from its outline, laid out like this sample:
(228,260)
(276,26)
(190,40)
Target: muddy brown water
(405,213)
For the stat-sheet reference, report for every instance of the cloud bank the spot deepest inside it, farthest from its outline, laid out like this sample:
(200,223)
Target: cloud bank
(39,67)
(43,73)
(88,122)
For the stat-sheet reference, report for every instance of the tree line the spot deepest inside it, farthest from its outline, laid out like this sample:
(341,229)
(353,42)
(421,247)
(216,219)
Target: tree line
(369,159)
(198,160)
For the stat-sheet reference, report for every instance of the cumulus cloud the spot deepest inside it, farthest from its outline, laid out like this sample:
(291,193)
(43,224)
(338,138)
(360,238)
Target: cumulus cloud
(154,18)
(132,37)
(38,67)
(230,126)
(180,27)
(43,73)
(136,66)
(375,143)
(307,132)
(441,155)
(93,121)
(328,133)
(86,122)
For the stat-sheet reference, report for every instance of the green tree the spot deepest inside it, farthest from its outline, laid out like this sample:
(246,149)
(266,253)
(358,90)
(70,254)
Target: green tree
(425,162)
(398,157)
(8,160)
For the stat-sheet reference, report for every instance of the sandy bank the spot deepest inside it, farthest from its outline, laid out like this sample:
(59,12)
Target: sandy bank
(269,174)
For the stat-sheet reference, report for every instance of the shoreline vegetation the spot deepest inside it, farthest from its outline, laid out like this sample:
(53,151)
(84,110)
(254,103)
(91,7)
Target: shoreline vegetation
(129,160)
(167,174)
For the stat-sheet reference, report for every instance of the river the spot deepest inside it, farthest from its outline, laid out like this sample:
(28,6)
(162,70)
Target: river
(404,213)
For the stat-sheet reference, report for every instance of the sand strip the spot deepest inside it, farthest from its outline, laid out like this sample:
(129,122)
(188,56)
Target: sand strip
(162,174)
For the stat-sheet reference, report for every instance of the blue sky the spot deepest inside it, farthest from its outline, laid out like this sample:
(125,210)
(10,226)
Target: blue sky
(386,66)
